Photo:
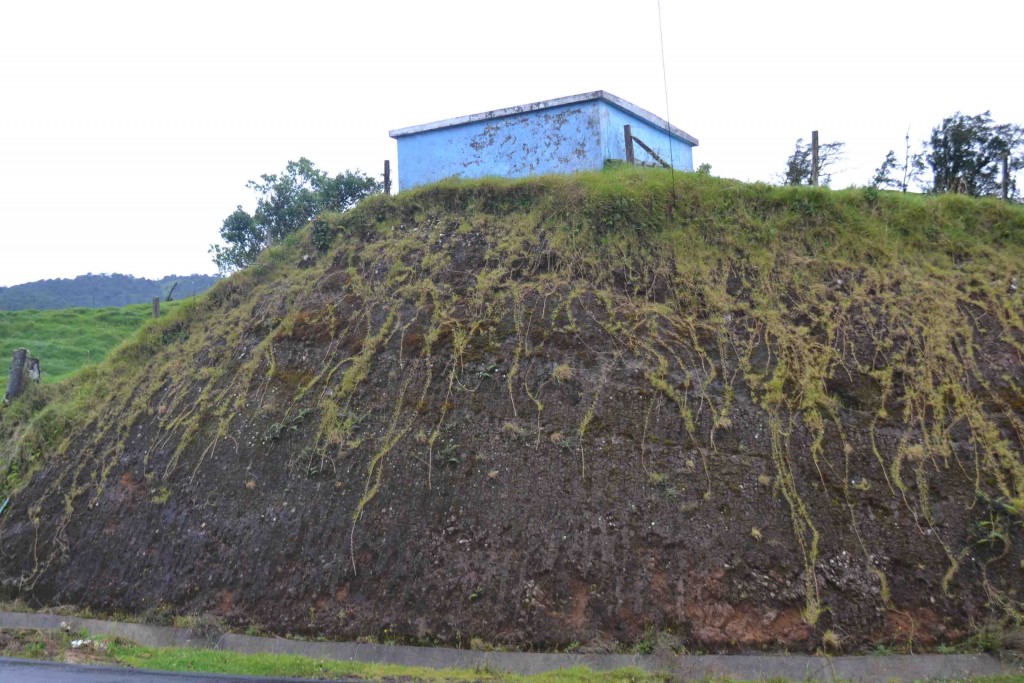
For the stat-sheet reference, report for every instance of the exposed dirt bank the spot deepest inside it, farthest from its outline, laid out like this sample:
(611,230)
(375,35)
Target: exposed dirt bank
(551,411)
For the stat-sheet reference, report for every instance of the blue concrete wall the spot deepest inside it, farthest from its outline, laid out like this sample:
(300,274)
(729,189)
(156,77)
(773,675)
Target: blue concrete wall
(554,140)
(614,141)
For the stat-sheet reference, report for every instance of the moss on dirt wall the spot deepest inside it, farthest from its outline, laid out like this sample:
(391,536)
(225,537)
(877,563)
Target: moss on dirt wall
(827,384)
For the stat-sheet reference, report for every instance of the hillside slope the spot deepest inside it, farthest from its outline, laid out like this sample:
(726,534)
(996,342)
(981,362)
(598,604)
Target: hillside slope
(561,409)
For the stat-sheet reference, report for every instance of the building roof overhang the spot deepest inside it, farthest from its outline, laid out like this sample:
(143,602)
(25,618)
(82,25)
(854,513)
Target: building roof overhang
(618,102)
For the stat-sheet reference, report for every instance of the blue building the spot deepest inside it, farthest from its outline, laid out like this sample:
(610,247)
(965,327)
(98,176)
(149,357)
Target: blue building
(564,135)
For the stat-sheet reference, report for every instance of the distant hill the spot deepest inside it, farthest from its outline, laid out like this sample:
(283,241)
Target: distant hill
(99,291)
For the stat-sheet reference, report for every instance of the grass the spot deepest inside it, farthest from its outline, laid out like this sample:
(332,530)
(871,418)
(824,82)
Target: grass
(271,665)
(68,339)
(56,646)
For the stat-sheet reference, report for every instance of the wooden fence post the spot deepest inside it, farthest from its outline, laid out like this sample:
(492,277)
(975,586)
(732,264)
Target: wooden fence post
(628,132)
(387,176)
(156,307)
(814,158)
(16,381)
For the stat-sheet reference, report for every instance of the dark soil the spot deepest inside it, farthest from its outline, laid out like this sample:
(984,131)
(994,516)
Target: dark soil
(574,502)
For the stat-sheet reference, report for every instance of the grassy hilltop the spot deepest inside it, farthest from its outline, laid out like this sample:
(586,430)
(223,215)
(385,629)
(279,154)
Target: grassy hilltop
(576,408)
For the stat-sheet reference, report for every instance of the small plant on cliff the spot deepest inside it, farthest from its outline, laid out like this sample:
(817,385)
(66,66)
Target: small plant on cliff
(563,373)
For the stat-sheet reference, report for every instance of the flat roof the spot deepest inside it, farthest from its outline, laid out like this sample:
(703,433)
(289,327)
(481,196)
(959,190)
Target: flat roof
(629,107)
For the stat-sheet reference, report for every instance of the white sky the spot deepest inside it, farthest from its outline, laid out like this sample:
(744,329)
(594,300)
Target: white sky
(129,129)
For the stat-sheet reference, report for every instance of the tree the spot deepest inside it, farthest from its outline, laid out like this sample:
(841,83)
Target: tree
(284,203)
(883,178)
(966,154)
(345,189)
(245,239)
(896,175)
(287,202)
(798,166)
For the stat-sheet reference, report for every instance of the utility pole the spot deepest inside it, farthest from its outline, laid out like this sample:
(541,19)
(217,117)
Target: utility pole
(1006,176)
(906,162)
(814,158)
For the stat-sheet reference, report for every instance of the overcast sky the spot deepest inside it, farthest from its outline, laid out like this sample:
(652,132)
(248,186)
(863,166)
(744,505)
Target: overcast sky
(129,129)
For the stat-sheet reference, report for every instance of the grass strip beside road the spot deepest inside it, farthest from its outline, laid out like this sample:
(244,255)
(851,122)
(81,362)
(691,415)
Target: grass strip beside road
(56,646)
(45,645)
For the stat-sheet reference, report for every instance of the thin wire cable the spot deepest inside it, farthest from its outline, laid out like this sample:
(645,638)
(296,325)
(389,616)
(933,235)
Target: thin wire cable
(668,111)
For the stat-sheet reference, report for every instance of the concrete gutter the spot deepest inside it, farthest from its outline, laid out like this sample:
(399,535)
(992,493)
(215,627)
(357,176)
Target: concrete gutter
(683,667)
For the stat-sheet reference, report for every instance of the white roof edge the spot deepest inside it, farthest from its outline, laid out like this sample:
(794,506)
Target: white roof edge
(645,115)
(629,107)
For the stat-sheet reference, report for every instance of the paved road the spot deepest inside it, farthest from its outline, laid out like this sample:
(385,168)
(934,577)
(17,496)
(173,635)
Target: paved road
(30,671)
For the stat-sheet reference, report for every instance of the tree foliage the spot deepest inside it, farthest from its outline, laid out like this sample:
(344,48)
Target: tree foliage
(965,154)
(887,175)
(284,203)
(799,165)
(894,174)
(245,239)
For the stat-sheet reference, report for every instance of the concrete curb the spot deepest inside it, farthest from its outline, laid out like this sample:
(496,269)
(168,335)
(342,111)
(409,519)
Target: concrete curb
(684,667)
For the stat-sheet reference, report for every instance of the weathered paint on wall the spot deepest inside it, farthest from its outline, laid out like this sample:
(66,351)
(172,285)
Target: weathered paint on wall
(559,136)
(556,140)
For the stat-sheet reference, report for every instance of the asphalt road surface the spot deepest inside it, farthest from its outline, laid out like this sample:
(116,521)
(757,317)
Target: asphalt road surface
(31,671)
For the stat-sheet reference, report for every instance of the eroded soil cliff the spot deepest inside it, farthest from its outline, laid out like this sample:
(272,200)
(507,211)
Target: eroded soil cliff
(557,410)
